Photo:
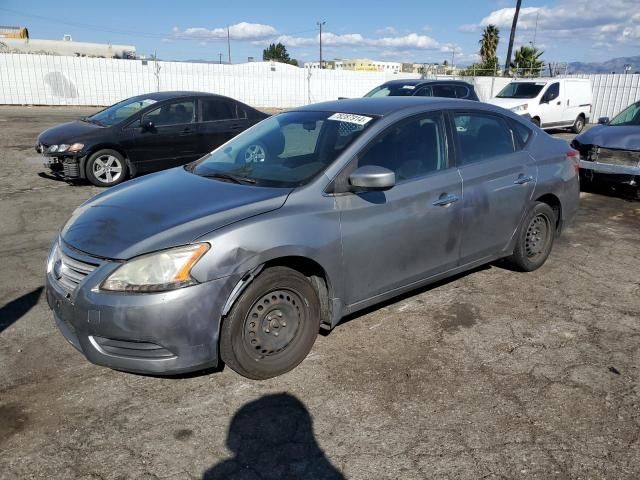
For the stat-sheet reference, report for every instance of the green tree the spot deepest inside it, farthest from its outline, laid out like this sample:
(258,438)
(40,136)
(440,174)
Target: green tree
(489,44)
(278,53)
(526,62)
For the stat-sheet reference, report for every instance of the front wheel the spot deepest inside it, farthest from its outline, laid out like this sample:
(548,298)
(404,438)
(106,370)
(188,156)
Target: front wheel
(106,168)
(535,238)
(272,326)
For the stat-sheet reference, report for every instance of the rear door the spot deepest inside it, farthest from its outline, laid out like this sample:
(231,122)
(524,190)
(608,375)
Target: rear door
(498,179)
(412,231)
(219,122)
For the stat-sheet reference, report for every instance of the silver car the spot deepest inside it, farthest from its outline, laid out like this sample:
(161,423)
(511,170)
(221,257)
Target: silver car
(242,256)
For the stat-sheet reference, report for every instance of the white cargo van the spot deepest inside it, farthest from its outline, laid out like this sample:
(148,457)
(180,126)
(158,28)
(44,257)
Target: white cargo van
(550,103)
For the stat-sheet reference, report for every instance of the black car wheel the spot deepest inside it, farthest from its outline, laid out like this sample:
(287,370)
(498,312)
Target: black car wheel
(536,121)
(578,125)
(106,168)
(272,326)
(535,238)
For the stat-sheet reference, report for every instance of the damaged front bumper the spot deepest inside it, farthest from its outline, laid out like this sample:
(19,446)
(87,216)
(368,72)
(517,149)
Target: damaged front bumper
(624,165)
(62,164)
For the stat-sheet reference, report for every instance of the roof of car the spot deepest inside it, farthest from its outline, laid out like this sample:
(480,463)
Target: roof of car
(175,94)
(381,106)
(425,81)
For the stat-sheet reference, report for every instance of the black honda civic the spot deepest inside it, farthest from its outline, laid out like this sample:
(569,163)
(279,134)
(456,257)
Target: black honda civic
(143,134)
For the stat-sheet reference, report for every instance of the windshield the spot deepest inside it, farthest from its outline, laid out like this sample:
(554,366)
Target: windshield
(394,90)
(285,150)
(120,111)
(521,90)
(629,116)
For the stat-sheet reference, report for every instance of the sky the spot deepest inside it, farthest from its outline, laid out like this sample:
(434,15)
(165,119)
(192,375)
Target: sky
(400,30)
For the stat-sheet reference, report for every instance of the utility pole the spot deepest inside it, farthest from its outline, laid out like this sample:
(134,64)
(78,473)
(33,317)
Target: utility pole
(220,60)
(512,36)
(320,24)
(535,31)
(229,44)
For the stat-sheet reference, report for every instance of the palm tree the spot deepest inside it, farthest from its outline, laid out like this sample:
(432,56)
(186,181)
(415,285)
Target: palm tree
(527,61)
(489,44)
(512,36)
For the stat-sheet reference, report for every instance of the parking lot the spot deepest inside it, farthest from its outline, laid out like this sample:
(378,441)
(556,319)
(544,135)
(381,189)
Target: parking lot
(493,374)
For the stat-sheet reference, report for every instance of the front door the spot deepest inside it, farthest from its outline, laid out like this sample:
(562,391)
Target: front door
(167,137)
(394,238)
(551,106)
(498,180)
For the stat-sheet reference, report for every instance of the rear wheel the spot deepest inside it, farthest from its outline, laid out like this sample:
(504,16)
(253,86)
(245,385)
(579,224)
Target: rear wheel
(272,326)
(106,168)
(578,125)
(535,238)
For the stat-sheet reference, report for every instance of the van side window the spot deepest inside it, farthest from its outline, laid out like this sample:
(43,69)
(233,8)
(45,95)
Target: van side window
(552,92)
(482,137)
(411,149)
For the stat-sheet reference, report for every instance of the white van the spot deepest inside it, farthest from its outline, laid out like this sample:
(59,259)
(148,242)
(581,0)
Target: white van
(550,103)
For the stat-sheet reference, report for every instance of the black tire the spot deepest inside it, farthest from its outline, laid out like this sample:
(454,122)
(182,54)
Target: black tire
(272,326)
(578,125)
(535,238)
(536,121)
(106,168)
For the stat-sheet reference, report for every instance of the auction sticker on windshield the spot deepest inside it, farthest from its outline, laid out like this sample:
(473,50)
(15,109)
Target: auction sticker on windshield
(350,118)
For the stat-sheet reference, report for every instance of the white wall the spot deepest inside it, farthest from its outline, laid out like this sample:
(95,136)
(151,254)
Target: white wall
(57,80)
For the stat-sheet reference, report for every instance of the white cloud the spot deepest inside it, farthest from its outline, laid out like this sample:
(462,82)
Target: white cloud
(607,22)
(387,31)
(239,31)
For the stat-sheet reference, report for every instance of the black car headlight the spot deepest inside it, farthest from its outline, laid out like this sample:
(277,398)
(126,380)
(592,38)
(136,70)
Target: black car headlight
(157,272)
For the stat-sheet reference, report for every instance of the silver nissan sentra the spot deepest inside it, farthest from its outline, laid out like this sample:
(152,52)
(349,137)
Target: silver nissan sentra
(242,256)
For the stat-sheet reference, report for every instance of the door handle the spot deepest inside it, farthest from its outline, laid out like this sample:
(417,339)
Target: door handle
(445,200)
(521,180)
(186,131)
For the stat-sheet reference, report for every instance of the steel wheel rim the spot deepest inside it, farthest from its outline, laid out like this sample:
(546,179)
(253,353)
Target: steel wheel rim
(537,236)
(255,154)
(107,168)
(273,323)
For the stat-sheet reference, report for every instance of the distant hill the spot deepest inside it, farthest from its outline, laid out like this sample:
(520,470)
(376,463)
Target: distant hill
(615,65)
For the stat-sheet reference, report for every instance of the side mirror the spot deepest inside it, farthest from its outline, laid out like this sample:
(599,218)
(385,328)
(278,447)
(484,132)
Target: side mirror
(372,177)
(147,126)
(603,120)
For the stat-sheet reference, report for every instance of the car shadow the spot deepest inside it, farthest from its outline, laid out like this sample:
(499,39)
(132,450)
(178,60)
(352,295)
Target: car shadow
(617,190)
(272,437)
(413,293)
(56,178)
(16,309)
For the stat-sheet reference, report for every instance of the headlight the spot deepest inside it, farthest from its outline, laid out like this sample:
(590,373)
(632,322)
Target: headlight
(520,108)
(157,272)
(54,256)
(65,147)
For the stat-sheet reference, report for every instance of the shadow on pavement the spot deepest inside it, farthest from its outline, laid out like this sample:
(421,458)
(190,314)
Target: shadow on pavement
(15,309)
(272,438)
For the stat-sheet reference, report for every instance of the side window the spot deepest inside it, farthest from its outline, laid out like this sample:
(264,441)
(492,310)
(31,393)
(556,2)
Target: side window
(482,137)
(461,91)
(448,91)
(216,109)
(552,92)
(423,92)
(174,113)
(522,133)
(411,148)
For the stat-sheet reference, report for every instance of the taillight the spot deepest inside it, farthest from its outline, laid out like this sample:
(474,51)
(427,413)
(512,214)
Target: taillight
(575,156)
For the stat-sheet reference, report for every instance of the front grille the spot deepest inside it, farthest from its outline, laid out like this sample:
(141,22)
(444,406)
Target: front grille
(71,169)
(69,272)
(133,349)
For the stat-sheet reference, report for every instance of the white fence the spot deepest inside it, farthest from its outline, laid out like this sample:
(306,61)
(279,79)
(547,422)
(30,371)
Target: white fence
(56,80)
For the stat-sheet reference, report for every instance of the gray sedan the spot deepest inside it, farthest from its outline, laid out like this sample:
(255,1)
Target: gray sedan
(242,256)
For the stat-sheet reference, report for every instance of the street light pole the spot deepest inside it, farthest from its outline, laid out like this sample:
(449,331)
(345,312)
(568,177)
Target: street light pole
(229,44)
(320,24)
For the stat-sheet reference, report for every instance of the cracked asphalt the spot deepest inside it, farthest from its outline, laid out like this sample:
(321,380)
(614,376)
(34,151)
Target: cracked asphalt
(493,374)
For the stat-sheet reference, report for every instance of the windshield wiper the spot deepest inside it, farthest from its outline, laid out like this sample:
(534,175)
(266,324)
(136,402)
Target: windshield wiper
(229,176)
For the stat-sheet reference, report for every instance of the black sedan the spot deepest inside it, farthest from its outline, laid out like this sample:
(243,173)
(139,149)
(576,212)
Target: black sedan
(143,134)
(610,151)
(425,88)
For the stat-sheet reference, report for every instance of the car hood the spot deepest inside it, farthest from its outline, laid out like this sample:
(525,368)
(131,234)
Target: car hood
(509,103)
(616,137)
(163,210)
(67,132)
